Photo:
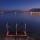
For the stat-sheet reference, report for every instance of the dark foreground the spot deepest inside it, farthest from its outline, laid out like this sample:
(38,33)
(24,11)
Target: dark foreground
(17,38)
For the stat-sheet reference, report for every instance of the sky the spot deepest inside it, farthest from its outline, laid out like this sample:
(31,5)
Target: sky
(19,4)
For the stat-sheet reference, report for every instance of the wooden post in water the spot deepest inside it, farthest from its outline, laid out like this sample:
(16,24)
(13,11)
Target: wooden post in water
(16,29)
(7,28)
(25,30)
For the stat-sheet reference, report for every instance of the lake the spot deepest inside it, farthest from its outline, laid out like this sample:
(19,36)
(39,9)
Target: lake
(32,22)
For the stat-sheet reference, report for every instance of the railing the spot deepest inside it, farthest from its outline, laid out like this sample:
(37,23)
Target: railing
(16,31)
(16,37)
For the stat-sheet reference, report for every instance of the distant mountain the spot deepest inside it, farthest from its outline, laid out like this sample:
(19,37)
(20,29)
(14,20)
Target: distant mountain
(35,9)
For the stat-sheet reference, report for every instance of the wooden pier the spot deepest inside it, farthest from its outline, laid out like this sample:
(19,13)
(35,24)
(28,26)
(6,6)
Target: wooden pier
(17,35)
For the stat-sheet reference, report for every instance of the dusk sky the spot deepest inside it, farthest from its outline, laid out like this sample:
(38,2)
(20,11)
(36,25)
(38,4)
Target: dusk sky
(19,4)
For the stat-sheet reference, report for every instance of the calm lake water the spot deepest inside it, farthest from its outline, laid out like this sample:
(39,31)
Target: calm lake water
(33,22)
